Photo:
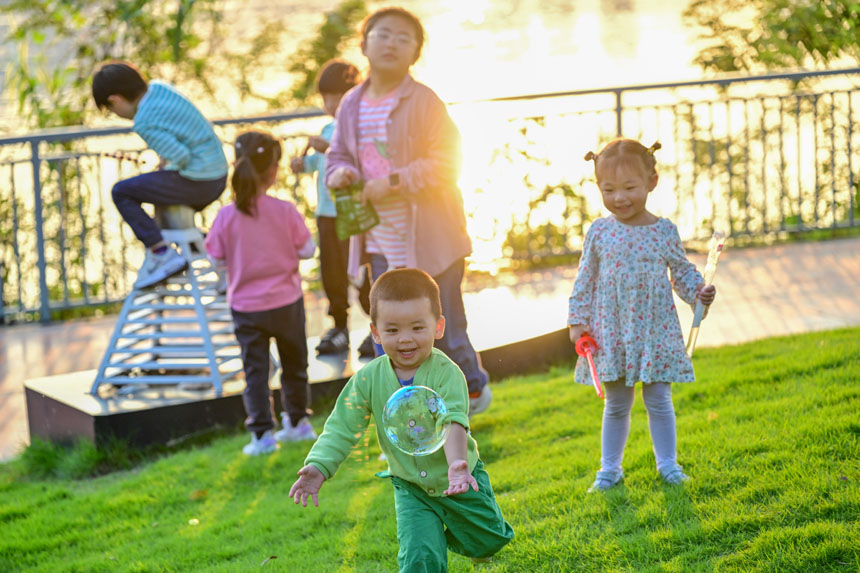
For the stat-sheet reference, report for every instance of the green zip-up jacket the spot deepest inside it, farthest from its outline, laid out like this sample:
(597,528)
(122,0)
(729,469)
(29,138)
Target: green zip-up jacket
(366,393)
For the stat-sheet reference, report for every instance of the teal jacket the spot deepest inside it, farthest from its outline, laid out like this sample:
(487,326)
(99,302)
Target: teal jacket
(315,162)
(366,393)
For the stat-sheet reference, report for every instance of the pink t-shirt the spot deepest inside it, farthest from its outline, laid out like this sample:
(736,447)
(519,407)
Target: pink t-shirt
(261,253)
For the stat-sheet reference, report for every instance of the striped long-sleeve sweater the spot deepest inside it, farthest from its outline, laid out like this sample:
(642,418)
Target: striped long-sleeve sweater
(178,132)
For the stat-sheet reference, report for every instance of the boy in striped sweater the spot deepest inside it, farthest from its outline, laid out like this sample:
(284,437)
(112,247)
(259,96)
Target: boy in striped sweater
(192,169)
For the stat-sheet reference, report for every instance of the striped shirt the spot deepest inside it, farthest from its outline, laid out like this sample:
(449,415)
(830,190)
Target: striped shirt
(389,237)
(178,132)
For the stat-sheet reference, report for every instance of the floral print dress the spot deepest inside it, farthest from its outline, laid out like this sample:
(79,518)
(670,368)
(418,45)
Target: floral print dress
(622,292)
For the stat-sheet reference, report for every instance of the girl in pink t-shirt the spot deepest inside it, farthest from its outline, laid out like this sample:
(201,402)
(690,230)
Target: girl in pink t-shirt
(260,240)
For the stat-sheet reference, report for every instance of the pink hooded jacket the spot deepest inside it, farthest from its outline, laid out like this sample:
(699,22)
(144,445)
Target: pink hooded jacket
(424,149)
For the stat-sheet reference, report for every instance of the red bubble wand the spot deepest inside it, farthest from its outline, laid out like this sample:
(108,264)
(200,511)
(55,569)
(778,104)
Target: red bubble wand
(586,346)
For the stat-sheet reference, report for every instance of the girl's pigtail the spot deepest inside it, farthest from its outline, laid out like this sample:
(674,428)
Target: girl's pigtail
(256,152)
(244,183)
(654,147)
(591,156)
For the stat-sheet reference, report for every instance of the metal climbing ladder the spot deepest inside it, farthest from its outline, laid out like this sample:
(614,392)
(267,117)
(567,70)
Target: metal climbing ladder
(179,332)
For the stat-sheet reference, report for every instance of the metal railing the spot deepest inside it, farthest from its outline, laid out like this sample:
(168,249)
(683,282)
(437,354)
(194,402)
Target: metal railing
(749,155)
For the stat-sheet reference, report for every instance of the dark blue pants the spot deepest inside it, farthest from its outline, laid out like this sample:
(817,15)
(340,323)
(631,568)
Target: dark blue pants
(455,343)
(253,331)
(160,188)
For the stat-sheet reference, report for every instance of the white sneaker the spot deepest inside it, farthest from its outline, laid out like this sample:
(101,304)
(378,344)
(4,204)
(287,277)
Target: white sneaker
(157,268)
(266,444)
(302,431)
(481,402)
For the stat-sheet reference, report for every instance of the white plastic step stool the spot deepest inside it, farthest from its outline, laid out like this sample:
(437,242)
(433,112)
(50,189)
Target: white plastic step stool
(178,332)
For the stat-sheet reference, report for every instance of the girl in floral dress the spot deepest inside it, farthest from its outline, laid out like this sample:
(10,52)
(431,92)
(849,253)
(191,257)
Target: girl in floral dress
(623,298)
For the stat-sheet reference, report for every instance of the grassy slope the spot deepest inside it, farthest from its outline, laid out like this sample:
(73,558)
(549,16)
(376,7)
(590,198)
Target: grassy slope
(770,435)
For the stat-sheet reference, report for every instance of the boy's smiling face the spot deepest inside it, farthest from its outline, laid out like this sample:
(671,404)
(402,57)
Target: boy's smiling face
(406,330)
(391,46)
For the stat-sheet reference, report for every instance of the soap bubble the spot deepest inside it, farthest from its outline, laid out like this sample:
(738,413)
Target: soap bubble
(412,420)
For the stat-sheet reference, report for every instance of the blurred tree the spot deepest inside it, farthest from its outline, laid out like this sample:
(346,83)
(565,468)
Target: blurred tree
(60,42)
(758,35)
(333,34)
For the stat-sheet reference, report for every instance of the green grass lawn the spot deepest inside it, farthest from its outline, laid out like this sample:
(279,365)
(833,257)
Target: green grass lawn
(770,435)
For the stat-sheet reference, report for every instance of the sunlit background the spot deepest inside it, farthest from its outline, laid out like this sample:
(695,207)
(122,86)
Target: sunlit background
(477,50)
(480,49)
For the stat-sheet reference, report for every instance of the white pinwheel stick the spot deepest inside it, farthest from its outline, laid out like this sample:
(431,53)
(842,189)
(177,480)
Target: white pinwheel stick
(717,242)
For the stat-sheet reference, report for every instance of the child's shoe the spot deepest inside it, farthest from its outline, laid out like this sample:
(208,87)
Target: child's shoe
(366,350)
(265,444)
(480,401)
(335,341)
(605,480)
(159,267)
(300,432)
(674,475)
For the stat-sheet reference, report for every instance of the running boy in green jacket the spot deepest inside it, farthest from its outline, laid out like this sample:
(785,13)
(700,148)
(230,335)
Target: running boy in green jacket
(443,500)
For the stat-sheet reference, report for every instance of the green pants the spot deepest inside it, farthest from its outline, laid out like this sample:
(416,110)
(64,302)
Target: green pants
(470,524)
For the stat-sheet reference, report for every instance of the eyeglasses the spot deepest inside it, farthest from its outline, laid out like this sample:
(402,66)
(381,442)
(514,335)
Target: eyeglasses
(383,36)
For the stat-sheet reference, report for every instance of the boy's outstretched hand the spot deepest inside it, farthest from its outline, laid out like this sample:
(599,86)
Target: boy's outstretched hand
(309,483)
(459,478)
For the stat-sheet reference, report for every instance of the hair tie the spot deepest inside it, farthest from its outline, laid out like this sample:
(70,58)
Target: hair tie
(591,156)
(654,147)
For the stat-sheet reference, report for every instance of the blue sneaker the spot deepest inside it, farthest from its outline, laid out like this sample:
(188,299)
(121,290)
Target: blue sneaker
(265,444)
(674,475)
(157,268)
(605,480)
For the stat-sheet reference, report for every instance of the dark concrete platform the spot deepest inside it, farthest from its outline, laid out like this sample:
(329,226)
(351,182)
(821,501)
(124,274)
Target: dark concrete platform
(515,321)
(61,409)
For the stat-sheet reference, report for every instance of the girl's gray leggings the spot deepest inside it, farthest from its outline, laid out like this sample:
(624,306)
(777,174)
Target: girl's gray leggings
(616,423)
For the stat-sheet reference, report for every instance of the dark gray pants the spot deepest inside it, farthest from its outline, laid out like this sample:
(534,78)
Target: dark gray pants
(334,254)
(160,188)
(254,331)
